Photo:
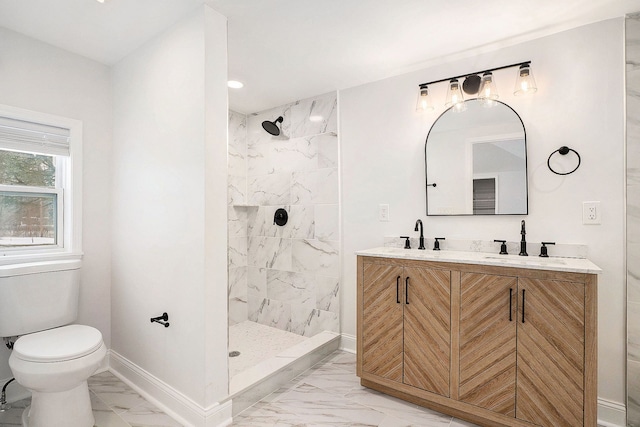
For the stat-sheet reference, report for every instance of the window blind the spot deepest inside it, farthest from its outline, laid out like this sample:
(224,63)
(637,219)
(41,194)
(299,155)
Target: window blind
(20,135)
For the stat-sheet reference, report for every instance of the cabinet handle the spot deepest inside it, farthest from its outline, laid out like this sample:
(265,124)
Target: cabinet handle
(398,290)
(523,306)
(510,303)
(406,291)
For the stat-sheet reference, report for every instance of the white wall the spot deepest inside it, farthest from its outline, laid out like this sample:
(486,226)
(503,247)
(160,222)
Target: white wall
(169,192)
(40,77)
(579,103)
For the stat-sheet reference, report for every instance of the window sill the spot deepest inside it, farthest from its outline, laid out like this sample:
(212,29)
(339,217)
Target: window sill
(9,258)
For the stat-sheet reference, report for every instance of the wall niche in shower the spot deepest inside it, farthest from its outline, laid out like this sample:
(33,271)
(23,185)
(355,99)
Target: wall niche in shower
(285,277)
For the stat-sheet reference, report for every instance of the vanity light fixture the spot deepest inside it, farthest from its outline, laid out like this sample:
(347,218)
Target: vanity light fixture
(424,100)
(525,83)
(488,92)
(484,88)
(455,98)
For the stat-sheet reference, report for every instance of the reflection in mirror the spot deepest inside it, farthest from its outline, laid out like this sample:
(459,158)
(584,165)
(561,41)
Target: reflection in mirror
(476,162)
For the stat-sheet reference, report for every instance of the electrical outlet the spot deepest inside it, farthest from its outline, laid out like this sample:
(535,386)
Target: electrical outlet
(383,212)
(591,213)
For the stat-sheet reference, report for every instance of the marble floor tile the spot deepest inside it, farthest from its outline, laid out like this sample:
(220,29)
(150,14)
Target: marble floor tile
(334,380)
(116,394)
(341,360)
(414,414)
(114,404)
(148,415)
(329,394)
(104,415)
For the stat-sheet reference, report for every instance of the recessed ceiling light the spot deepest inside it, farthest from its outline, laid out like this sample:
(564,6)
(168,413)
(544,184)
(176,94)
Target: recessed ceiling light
(316,118)
(234,84)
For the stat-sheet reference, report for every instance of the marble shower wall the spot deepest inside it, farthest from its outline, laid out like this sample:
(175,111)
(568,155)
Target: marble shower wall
(237,217)
(633,218)
(291,273)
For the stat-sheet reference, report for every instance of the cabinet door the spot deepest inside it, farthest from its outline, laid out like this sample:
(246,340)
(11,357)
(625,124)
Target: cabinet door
(550,377)
(382,321)
(427,329)
(488,341)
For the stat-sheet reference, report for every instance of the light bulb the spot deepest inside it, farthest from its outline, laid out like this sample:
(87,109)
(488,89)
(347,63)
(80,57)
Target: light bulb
(525,82)
(424,100)
(488,92)
(455,99)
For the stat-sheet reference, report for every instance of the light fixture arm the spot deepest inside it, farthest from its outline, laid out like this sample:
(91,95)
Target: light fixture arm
(423,85)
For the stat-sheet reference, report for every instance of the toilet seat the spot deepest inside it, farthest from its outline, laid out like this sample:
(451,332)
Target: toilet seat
(58,344)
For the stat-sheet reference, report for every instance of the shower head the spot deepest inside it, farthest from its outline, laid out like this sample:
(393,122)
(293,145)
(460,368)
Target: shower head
(272,127)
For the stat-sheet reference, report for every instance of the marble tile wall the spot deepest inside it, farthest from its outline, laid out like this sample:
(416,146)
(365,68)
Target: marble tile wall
(286,277)
(633,218)
(237,217)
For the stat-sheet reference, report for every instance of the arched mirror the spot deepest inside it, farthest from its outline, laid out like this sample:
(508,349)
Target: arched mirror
(476,162)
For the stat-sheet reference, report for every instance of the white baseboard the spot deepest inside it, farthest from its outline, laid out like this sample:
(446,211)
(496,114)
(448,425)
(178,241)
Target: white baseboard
(348,343)
(611,414)
(171,401)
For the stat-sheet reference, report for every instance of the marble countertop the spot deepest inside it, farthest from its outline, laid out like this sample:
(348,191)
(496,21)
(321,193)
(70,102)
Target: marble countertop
(573,265)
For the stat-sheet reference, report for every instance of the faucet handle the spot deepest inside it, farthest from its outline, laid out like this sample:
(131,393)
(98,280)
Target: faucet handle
(503,247)
(436,244)
(407,243)
(543,249)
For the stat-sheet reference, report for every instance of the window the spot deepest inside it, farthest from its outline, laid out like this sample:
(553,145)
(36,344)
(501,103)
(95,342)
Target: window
(40,184)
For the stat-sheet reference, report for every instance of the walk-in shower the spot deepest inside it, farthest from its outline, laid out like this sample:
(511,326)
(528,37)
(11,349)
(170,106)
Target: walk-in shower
(284,276)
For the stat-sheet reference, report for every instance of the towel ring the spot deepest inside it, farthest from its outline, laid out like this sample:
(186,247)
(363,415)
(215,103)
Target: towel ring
(564,150)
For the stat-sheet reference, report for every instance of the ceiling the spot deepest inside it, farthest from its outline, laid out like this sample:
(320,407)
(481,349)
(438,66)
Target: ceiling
(285,50)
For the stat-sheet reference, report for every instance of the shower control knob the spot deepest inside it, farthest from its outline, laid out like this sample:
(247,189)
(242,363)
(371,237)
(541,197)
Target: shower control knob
(281,217)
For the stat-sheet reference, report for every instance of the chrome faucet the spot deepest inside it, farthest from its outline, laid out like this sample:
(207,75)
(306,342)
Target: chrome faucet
(419,223)
(523,241)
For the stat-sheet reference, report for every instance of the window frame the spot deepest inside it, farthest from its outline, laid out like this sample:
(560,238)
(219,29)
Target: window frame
(69,200)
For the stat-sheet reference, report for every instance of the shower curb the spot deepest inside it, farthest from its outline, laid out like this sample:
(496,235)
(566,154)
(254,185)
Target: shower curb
(252,393)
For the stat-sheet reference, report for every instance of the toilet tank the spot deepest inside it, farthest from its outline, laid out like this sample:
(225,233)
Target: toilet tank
(37,296)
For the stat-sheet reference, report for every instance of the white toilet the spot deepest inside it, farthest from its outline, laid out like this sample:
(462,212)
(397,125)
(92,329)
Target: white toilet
(51,357)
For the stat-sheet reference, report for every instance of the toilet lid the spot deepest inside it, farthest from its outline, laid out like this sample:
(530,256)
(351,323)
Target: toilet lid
(58,344)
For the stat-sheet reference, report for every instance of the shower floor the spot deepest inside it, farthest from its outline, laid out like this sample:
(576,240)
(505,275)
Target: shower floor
(257,343)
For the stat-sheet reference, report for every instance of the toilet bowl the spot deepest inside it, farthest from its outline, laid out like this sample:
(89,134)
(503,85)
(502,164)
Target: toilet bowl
(54,366)
(52,358)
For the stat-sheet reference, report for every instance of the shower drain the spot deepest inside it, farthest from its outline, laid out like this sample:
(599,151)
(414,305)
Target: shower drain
(234,353)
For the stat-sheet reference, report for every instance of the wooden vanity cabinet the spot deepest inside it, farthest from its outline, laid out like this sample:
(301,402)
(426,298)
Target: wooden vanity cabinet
(551,352)
(406,325)
(522,342)
(488,342)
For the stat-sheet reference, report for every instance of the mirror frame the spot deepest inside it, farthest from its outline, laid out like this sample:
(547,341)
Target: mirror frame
(526,164)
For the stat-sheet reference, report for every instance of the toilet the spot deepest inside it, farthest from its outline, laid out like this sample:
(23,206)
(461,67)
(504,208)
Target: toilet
(51,357)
